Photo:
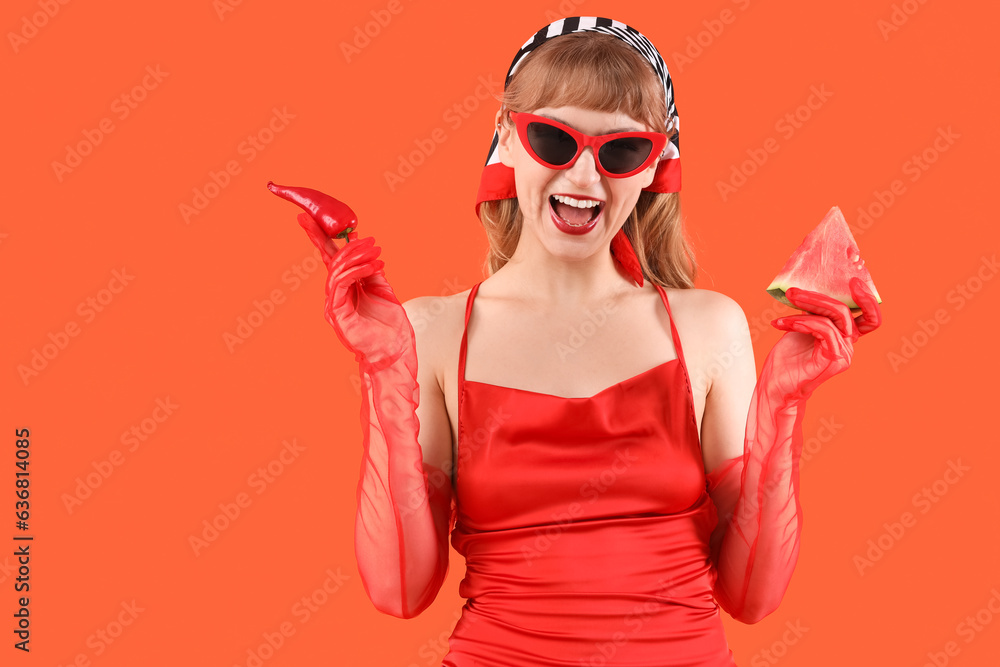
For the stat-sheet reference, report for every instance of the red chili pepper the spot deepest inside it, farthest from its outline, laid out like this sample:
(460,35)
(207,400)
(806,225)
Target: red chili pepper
(336,217)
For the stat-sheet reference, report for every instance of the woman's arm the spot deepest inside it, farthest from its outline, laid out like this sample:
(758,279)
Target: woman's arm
(729,359)
(756,543)
(752,477)
(404,503)
(405,507)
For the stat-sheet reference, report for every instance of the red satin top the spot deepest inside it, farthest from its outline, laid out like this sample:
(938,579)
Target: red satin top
(585,525)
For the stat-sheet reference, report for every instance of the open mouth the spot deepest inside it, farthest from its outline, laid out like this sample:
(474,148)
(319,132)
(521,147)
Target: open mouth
(575,212)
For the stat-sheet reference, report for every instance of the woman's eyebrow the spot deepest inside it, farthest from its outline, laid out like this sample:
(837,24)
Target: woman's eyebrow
(611,131)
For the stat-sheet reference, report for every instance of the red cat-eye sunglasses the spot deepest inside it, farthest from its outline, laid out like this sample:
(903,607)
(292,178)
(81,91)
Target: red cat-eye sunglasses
(557,146)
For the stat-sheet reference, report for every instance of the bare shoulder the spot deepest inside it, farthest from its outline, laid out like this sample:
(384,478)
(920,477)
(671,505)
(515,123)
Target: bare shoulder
(436,314)
(716,337)
(437,321)
(708,315)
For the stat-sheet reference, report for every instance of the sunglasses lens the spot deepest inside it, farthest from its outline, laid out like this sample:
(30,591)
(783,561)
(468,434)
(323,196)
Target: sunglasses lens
(551,144)
(621,156)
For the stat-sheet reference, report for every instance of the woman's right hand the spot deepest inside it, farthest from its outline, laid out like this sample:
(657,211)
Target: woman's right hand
(360,303)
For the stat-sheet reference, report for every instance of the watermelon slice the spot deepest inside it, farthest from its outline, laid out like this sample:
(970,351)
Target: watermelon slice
(825,262)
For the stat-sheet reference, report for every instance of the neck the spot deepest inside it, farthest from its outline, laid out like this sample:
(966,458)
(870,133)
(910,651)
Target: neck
(559,280)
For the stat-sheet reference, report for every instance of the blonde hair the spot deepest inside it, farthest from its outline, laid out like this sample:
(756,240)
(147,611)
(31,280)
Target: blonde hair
(599,72)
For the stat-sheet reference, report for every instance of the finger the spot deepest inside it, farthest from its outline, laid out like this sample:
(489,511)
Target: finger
(350,286)
(821,328)
(830,356)
(821,304)
(317,235)
(348,274)
(871,315)
(351,279)
(378,286)
(342,280)
(354,253)
(350,254)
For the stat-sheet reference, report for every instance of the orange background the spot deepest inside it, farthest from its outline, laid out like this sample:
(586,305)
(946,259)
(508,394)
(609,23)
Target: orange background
(161,336)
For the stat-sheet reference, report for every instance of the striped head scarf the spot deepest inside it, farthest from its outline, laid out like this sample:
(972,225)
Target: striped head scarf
(497,181)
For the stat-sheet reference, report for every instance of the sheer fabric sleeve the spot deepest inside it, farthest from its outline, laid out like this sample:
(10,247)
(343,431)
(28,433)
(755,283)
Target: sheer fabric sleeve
(755,545)
(404,507)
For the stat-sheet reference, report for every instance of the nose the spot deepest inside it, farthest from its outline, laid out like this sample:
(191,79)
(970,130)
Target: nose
(583,172)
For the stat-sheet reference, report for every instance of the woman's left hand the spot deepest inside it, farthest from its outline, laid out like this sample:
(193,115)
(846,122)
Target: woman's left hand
(820,343)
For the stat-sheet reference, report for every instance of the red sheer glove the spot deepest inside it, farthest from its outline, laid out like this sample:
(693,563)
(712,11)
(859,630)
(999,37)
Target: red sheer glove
(756,543)
(403,521)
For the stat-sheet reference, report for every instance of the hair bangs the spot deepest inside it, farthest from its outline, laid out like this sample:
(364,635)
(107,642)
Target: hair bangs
(591,71)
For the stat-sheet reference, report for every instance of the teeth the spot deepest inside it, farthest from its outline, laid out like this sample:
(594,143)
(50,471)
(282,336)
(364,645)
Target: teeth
(579,203)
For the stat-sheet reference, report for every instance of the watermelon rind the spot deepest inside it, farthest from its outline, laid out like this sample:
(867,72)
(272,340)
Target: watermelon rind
(824,262)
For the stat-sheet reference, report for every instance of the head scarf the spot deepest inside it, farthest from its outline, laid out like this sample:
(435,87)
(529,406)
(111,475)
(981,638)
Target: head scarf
(497,181)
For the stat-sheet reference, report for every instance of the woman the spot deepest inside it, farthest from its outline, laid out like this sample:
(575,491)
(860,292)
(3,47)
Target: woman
(583,423)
